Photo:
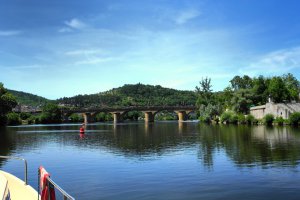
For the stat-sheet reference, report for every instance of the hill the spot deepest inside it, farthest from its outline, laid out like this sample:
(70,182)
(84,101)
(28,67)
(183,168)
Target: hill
(133,95)
(28,99)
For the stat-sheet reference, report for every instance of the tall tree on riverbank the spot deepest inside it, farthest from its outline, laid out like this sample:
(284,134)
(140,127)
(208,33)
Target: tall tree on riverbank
(292,85)
(7,103)
(278,90)
(207,103)
(244,82)
(260,90)
(204,92)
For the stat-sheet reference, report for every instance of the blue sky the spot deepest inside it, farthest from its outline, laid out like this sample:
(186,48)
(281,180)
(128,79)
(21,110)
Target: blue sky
(57,48)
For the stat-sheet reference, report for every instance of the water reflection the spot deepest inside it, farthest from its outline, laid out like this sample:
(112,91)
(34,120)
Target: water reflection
(251,146)
(7,144)
(244,145)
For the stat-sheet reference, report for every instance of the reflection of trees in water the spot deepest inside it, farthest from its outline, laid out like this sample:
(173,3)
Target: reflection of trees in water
(207,138)
(248,146)
(6,143)
(143,139)
(127,139)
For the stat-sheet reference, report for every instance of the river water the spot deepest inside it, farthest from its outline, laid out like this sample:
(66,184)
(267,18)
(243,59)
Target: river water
(163,160)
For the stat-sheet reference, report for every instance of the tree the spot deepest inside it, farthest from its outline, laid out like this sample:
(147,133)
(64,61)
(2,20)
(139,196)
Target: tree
(7,103)
(51,113)
(277,90)
(209,112)
(244,82)
(225,97)
(241,101)
(76,117)
(260,90)
(13,119)
(204,92)
(292,85)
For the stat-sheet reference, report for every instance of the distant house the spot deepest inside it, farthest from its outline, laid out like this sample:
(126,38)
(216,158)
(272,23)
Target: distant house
(277,109)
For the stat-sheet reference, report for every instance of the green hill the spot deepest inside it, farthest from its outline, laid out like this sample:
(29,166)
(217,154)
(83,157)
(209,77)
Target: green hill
(133,95)
(28,99)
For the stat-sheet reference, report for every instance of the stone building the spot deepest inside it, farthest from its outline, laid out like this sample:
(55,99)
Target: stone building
(277,109)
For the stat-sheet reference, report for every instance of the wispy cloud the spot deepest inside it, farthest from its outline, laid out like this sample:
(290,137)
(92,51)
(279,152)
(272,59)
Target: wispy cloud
(75,24)
(22,67)
(93,61)
(72,25)
(85,52)
(65,30)
(9,32)
(276,62)
(187,15)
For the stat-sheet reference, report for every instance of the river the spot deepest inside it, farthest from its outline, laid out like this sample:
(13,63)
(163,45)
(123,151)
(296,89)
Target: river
(162,160)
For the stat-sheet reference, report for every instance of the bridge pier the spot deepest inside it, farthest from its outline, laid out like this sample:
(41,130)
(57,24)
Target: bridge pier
(149,116)
(182,115)
(87,118)
(117,117)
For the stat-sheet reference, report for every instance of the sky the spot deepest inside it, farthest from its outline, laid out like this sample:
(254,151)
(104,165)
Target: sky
(62,48)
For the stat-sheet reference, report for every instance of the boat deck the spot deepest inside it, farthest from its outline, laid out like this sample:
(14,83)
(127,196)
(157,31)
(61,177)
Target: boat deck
(18,189)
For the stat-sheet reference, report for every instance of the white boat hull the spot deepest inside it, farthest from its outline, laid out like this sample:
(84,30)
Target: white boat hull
(14,187)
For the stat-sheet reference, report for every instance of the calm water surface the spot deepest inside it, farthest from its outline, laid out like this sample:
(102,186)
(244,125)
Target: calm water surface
(163,160)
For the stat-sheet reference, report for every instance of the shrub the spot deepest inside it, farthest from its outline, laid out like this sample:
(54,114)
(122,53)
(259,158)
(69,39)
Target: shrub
(109,117)
(279,121)
(37,119)
(205,119)
(287,121)
(234,119)
(268,119)
(225,117)
(216,119)
(294,118)
(260,121)
(241,119)
(250,119)
(76,117)
(25,116)
(32,119)
(13,119)
(44,119)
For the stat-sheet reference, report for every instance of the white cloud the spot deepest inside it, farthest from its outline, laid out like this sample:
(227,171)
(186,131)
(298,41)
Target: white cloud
(65,30)
(186,15)
(75,24)
(276,62)
(10,33)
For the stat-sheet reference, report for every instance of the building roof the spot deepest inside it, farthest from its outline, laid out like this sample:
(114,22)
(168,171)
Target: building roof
(258,107)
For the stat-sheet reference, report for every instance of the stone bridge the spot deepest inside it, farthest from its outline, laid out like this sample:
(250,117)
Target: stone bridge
(118,113)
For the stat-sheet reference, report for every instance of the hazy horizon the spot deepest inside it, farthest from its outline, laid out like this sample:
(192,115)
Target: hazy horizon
(65,48)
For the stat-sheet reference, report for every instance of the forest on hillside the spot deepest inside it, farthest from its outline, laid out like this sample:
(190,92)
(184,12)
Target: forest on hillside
(133,95)
(24,98)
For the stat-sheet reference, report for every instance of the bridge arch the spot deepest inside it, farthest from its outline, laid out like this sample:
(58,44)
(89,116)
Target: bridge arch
(149,112)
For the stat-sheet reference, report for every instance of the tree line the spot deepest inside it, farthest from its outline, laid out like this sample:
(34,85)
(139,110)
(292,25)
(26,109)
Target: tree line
(231,105)
(234,102)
